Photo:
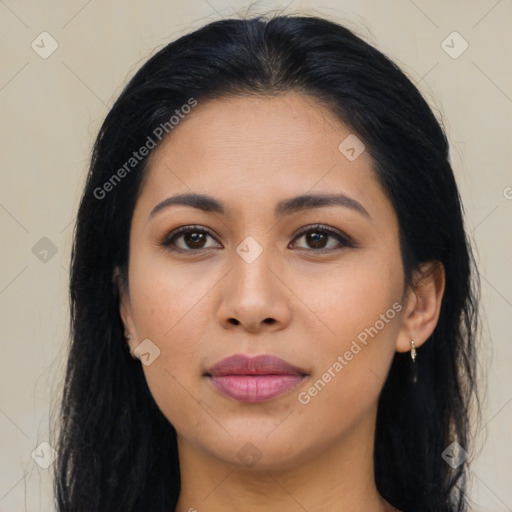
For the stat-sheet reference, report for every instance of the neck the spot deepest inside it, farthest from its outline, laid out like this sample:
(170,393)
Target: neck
(336,477)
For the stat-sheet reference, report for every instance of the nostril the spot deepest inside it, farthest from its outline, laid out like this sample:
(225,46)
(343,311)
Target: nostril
(234,321)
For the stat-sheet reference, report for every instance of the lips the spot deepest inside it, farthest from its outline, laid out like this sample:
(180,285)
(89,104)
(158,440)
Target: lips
(254,379)
(239,364)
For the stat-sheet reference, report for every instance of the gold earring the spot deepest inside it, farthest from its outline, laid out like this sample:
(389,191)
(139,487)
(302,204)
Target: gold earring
(414,374)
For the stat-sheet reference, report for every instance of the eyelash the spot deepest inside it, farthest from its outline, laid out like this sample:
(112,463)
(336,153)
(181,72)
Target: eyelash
(317,228)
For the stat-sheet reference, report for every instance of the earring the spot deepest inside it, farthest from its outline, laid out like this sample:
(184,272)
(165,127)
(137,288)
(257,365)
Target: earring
(127,336)
(414,365)
(413,351)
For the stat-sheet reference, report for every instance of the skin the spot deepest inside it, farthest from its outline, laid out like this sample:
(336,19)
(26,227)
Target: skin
(250,153)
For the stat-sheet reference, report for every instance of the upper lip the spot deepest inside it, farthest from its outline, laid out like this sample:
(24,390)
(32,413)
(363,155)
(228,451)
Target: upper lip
(240,364)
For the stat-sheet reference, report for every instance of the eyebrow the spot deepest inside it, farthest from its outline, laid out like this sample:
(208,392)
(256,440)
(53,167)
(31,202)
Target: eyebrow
(284,207)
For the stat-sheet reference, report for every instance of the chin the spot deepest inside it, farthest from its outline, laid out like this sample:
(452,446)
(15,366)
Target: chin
(259,451)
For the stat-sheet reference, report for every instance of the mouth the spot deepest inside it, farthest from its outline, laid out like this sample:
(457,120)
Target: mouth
(254,379)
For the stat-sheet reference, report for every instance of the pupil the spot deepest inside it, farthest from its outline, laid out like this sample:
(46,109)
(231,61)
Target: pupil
(195,238)
(316,239)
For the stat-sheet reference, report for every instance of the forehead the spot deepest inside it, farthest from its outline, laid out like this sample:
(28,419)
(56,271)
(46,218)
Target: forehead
(259,148)
(286,125)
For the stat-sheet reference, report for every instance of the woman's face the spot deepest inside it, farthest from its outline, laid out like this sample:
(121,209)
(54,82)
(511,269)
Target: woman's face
(256,275)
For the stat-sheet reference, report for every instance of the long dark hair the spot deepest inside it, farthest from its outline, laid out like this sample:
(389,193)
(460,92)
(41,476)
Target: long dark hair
(117,451)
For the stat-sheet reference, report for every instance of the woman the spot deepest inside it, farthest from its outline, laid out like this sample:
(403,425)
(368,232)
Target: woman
(273,298)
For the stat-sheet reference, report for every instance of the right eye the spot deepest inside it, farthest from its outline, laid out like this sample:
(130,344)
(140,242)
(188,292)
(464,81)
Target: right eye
(192,239)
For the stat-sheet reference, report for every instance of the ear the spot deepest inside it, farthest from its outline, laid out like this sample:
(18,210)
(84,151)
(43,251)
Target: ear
(125,309)
(422,305)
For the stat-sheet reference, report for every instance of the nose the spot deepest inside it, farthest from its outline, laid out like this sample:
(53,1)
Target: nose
(254,297)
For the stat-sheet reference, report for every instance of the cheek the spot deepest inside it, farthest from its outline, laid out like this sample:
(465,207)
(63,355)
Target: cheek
(167,303)
(351,369)
(166,296)
(355,297)
(362,308)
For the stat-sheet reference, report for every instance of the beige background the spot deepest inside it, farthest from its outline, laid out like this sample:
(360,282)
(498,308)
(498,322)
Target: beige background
(52,108)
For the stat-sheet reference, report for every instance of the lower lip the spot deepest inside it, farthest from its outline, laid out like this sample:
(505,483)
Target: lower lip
(255,388)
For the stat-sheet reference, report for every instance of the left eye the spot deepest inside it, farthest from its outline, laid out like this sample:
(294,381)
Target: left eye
(317,236)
